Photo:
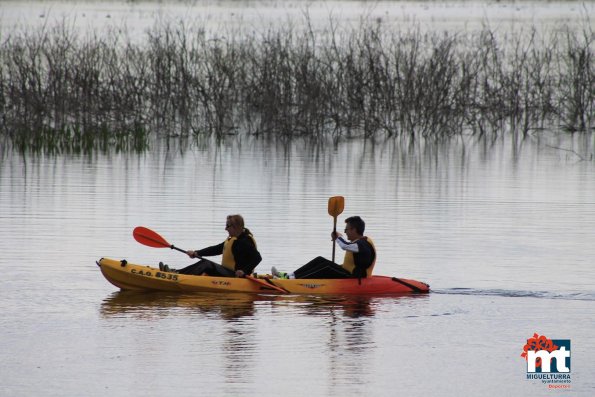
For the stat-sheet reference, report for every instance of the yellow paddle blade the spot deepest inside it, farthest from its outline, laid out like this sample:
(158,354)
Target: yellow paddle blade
(336,205)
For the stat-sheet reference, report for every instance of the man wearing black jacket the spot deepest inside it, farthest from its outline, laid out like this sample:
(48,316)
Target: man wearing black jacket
(360,256)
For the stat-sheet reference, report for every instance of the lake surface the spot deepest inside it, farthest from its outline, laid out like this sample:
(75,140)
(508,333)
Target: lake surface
(502,230)
(218,16)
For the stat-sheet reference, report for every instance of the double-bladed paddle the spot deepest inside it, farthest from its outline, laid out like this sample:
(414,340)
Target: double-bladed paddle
(150,238)
(336,205)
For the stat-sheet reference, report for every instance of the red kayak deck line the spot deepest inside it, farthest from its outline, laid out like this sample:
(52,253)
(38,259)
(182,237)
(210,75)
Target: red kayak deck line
(129,276)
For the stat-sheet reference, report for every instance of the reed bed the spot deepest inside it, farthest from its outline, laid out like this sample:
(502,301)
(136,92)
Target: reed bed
(60,91)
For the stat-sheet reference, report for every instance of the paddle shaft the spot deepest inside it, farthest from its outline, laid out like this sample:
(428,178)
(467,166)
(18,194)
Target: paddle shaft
(334,231)
(335,208)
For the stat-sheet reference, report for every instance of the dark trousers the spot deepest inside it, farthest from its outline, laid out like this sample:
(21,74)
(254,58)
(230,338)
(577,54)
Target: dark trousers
(205,266)
(320,267)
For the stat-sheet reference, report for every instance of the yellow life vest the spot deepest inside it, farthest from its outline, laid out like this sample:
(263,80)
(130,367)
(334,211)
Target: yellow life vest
(228,259)
(349,260)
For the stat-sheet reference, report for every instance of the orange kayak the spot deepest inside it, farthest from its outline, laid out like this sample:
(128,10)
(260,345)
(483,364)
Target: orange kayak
(129,276)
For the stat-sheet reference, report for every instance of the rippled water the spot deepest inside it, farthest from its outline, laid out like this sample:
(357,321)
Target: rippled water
(502,232)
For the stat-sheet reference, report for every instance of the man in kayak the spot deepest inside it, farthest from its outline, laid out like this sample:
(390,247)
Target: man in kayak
(359,261)
(240,254)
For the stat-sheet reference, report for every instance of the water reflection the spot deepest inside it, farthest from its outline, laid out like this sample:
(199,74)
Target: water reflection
(235,307)
(157,304)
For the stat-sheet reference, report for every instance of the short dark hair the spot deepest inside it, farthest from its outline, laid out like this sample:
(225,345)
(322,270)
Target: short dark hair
(358,223)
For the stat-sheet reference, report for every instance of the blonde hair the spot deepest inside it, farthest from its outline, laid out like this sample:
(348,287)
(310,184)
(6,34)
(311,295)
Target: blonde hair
(236,220)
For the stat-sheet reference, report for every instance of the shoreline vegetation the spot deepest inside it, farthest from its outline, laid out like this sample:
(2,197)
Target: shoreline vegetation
(62,92)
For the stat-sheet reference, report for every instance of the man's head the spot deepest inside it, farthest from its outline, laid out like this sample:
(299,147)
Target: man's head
(355,224)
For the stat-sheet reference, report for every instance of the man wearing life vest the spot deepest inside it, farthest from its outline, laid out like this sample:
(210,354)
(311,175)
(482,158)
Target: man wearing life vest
(359,261)
(239,253)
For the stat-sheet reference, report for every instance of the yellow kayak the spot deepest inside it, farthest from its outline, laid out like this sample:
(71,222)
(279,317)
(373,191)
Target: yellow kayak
(129,276)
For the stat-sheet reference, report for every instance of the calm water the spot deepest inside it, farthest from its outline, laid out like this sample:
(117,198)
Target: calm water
(137,16)
(502,231)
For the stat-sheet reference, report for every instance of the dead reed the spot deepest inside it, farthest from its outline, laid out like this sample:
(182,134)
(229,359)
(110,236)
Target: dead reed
(60,92)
